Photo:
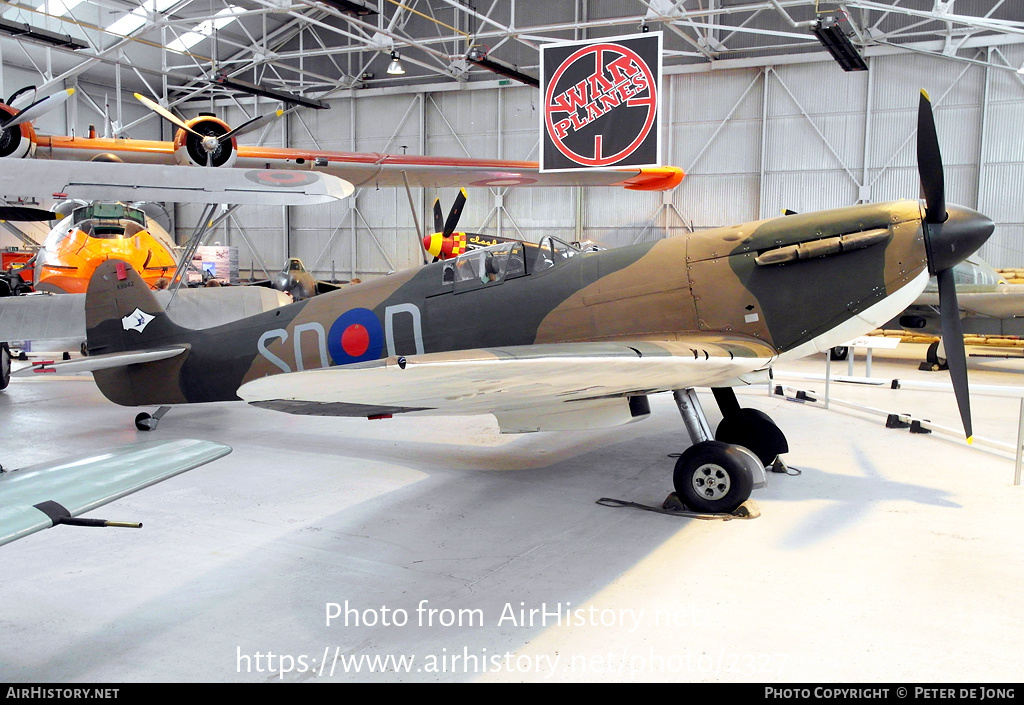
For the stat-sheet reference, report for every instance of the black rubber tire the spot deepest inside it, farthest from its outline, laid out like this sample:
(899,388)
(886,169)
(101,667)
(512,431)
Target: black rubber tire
(839,352)
(140,422)
(712,477)
(933,356)
(5,365)
(754,430)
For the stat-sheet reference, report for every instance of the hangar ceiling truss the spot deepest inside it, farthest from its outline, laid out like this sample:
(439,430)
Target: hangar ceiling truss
(175,49)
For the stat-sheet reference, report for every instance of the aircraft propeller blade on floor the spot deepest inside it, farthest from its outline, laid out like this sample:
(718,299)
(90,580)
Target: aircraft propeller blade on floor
(38,108)
(950,235)
(26,214)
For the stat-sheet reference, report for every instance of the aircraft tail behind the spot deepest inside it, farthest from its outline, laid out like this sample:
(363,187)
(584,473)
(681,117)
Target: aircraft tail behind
(123,316)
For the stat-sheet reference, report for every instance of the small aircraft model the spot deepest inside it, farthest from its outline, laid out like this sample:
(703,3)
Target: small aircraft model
(48,494)
(297,282)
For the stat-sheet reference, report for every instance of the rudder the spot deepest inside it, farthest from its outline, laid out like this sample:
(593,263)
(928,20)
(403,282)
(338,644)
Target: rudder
(122,314)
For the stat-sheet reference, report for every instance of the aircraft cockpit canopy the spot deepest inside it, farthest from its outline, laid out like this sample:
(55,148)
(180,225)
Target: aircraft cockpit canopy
(109,220)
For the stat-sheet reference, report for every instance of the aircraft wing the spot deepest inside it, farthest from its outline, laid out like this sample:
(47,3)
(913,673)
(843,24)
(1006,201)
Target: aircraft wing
(41,496)
(374,169)
(527,388)
(111,181)
(998,301)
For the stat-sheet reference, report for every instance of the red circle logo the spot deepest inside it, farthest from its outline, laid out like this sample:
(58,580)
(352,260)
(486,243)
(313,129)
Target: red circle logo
(586,90)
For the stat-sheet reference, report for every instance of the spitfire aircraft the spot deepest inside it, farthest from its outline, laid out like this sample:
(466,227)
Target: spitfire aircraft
(552,338)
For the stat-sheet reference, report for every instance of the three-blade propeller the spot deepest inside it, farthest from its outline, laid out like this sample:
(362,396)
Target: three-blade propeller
(951,234)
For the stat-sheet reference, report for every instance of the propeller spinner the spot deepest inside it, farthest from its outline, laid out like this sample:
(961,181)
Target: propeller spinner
(444,242)
(951,234)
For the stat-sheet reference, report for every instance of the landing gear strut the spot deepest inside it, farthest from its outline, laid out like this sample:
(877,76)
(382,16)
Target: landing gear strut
(147,422)
(717,476)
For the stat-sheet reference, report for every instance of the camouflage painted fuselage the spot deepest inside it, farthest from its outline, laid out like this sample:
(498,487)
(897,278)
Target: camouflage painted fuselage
(794,284)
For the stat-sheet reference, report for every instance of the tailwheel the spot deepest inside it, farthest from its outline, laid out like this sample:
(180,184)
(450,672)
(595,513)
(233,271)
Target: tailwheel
(753,429)
(148,422)
(714,477)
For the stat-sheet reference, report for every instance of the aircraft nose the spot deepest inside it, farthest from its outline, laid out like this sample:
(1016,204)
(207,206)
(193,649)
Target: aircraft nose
(957,238)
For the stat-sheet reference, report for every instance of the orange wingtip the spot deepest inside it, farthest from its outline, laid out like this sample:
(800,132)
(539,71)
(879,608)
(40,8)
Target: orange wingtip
(658,178)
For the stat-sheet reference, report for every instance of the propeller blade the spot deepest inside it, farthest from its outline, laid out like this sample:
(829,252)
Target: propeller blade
(929,163)
(953,342)
(38,108)
(455,213)
(438,216)
(26,214)
(254,124)
(166,114)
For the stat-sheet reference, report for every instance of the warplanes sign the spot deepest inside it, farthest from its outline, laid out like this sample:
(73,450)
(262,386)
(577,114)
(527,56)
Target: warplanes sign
(601,102)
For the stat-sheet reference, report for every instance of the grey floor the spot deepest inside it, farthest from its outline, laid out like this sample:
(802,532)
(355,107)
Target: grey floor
(892,557)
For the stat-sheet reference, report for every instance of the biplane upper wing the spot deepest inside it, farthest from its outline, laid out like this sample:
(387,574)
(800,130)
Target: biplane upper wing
(107,181)
(371,168)
(527,388)
(44,495)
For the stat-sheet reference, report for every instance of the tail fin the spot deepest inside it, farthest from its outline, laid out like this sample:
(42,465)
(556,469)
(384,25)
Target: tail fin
(122,314)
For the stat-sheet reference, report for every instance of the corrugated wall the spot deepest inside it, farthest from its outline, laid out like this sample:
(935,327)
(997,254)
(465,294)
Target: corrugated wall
(800,136)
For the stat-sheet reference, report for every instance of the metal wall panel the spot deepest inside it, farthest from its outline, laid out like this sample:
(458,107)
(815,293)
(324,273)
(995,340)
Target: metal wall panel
(826,132)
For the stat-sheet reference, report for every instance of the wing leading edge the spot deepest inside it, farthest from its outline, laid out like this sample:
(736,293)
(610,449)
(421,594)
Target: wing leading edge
(528,388)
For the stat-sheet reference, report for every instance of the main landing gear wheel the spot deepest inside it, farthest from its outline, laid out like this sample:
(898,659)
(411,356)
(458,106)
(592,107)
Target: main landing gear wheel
(753,429)
(839,352)
(713,477)
(5,365)
(936,355)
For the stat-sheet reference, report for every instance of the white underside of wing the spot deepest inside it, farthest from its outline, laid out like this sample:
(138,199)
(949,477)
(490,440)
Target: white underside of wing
(479,382)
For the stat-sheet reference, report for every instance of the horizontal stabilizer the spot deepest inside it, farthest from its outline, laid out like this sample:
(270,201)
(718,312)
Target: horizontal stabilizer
(112,181)
(38,497)
(101,362)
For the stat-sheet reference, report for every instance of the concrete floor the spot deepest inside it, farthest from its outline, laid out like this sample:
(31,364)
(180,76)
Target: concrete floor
(892,557)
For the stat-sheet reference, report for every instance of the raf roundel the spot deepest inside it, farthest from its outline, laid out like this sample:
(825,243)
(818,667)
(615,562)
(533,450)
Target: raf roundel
(356,336)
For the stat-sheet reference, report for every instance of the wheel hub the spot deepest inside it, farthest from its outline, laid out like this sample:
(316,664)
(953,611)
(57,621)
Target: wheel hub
(711,481)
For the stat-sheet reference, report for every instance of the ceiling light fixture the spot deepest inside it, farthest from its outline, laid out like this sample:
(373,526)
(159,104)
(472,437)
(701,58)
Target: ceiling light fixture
(253,89)
(831,36)
(351,7)
(480,58)
(19,29)
(395,68)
